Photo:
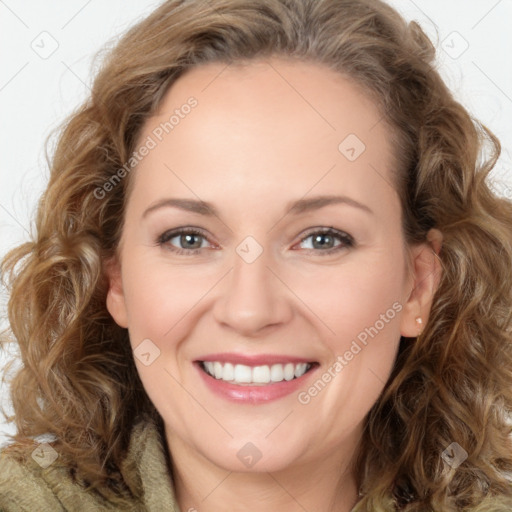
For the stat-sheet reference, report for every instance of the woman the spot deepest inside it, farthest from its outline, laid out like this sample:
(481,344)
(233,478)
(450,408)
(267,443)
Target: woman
(269,274)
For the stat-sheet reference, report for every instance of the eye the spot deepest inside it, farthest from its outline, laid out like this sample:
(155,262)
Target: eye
(325,239)
(189,241)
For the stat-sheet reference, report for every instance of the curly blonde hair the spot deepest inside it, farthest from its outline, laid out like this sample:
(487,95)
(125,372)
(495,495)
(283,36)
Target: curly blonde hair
(453,383)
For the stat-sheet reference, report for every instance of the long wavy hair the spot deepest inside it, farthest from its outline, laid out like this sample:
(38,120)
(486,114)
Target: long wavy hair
(453,383)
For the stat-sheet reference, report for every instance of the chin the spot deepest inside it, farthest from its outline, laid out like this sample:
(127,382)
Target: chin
(259,455)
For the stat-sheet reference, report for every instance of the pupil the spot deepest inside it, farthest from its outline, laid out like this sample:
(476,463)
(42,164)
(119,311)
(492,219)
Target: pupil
(187,239)
(321,237)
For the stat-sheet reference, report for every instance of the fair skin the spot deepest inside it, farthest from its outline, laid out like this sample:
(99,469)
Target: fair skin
(261,137)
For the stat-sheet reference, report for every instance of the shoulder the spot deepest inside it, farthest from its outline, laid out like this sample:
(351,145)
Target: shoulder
(23,486)
(32,477)
(30,480)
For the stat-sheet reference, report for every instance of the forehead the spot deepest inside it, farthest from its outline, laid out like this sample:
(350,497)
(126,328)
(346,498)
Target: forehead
(264,124)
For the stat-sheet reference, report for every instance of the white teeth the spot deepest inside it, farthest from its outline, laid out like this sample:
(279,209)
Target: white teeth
(217,368)
(300,369)
(261,374)
(243,374)
(228,372)
(276,373)
(289,371)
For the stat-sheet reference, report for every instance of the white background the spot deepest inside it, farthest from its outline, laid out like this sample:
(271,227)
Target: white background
(37,90)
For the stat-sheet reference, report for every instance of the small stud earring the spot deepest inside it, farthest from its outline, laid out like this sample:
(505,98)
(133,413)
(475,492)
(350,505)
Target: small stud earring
(419,322)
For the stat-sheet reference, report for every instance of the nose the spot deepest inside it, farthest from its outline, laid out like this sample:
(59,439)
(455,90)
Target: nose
(253,299)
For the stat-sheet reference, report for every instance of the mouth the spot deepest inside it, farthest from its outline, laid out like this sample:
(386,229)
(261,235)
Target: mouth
(261,375)
(254,379)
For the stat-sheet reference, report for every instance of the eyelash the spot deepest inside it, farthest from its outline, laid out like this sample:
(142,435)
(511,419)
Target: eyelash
(346,240)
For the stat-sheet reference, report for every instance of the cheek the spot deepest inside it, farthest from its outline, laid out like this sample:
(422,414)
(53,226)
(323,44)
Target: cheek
(163,302)
(361,308)
(351,298)
(159,295)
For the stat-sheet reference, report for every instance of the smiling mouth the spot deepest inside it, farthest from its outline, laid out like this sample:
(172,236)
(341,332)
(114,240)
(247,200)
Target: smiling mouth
(263,375)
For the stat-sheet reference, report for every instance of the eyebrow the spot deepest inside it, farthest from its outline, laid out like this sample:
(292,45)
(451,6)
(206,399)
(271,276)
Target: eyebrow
(296,207)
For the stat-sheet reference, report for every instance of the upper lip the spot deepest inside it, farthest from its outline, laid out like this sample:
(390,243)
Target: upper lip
(253,359)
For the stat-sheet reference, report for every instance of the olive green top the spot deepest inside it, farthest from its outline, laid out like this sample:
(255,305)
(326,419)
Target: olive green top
(31,487)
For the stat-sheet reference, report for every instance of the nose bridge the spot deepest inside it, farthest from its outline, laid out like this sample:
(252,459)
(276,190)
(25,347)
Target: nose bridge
(252,298)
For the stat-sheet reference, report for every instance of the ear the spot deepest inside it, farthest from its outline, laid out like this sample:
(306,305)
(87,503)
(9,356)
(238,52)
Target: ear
(115,302)
(426,275)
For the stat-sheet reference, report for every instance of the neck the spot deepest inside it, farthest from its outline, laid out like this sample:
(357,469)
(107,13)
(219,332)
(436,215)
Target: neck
(323,485)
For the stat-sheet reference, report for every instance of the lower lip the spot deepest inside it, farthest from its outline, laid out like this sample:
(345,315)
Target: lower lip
(253,394)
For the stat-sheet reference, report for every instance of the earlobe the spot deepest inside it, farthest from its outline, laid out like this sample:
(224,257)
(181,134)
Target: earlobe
(115,300)
(427,271)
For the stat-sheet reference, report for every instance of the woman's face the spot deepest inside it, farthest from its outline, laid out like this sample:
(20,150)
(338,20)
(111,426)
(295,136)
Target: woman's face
(291,259)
